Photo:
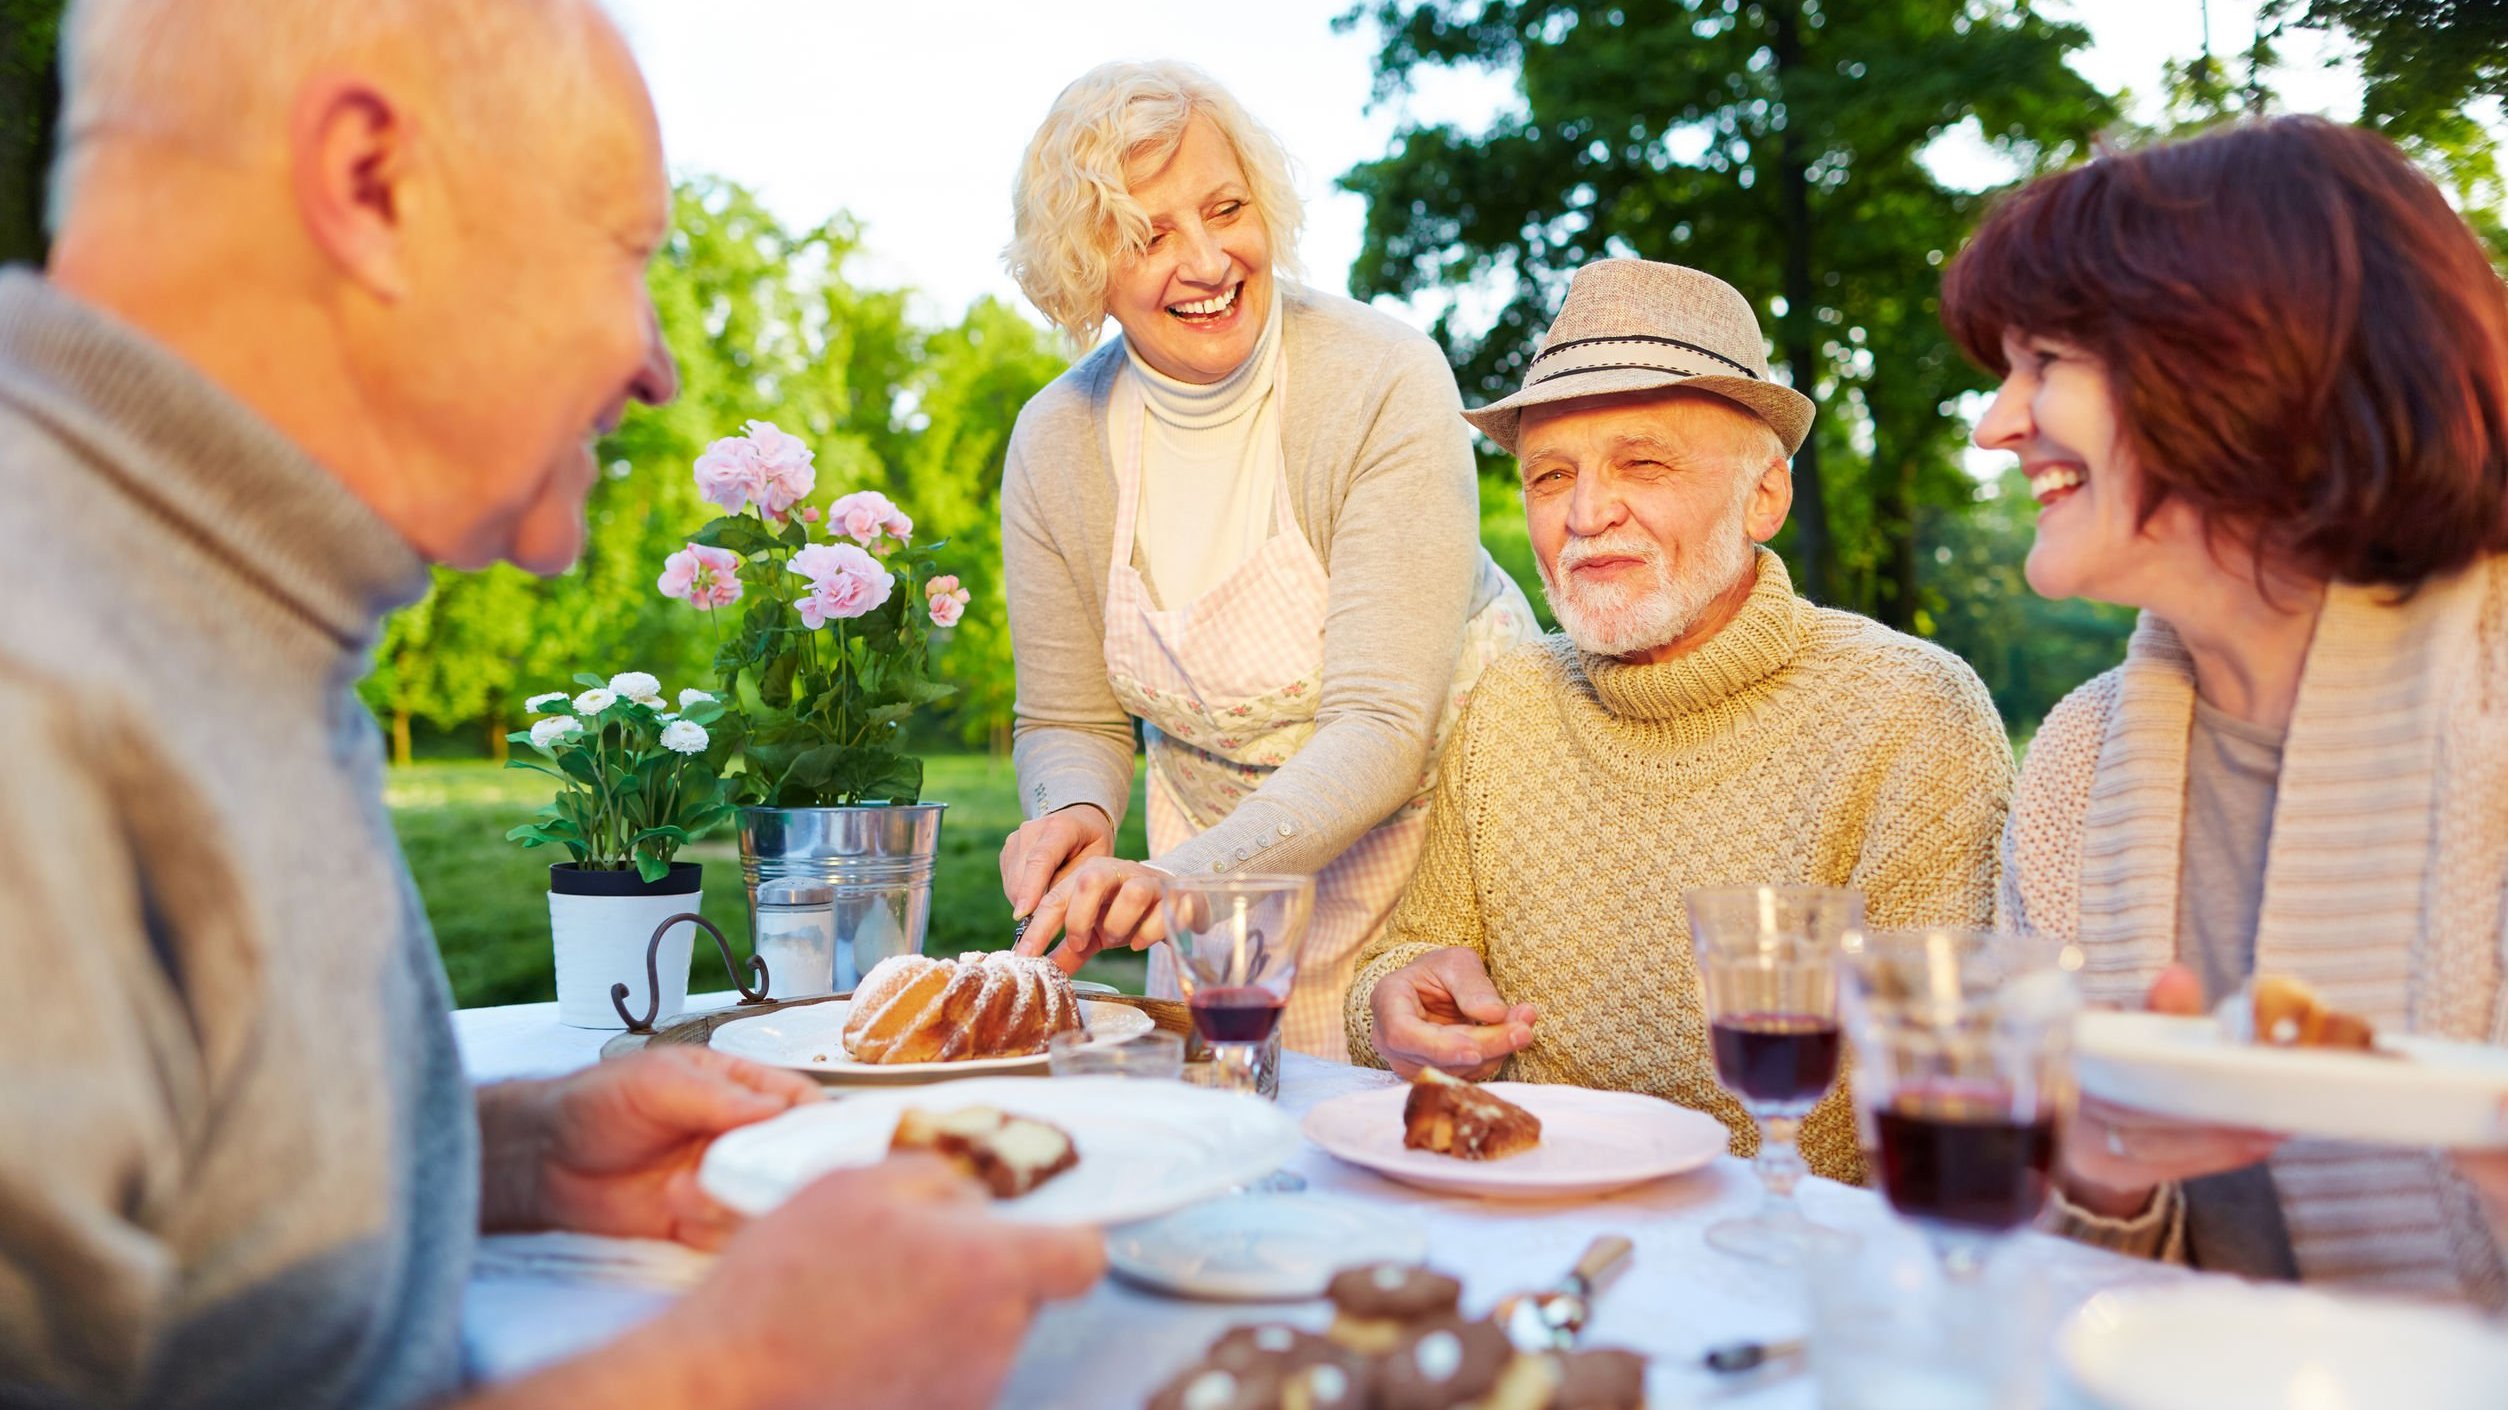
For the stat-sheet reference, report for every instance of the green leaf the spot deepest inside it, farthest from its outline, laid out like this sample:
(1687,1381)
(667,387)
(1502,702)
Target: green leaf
(738,532)
(650,867)
(587,679)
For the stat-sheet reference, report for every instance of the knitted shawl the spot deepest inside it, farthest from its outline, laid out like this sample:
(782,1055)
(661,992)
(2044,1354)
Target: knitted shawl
(2382,888)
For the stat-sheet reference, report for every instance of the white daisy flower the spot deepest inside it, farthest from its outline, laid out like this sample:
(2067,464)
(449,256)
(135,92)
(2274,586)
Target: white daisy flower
(593,702)
(542,704)
(692,695)
(635,685)
(546,733)
(683,737)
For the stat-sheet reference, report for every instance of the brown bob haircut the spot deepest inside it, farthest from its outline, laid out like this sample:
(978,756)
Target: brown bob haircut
(2306,344)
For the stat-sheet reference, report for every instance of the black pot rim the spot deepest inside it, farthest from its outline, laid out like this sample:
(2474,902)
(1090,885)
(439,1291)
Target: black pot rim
(568,879)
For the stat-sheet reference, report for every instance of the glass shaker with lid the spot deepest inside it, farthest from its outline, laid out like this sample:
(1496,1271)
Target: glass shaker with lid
(796,936)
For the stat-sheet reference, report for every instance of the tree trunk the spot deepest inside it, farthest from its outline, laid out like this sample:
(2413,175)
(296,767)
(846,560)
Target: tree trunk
(30,100)
(1894,524)
(1799,332)
(498,750)
(400,738)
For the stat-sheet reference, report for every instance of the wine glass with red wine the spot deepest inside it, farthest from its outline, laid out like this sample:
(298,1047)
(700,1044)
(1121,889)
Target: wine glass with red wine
(1963,1046)
(1767,967)
(1237,938)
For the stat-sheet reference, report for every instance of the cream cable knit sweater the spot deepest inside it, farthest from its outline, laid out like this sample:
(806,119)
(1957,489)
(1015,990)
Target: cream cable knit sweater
(1580,797)
(2382,883)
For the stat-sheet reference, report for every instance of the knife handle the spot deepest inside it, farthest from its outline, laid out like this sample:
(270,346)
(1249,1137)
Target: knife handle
(1603,1259)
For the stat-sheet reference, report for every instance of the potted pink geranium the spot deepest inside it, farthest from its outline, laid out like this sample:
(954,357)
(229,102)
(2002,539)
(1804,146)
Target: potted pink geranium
(823,624)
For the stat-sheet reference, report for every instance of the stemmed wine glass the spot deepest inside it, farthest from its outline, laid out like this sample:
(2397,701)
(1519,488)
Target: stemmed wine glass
(1963,1050)
(1767,966)
(1238,938)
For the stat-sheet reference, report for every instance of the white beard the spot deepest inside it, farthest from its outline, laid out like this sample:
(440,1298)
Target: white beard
(1626,619)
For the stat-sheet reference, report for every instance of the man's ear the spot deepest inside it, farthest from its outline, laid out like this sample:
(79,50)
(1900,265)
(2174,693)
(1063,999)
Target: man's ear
(1770,500)
(349,149)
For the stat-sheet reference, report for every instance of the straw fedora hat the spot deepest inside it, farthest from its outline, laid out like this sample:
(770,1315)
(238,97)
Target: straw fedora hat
(1633,325)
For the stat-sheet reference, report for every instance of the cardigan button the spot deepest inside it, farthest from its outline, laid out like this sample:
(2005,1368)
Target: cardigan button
(1287,831)
(1219,866)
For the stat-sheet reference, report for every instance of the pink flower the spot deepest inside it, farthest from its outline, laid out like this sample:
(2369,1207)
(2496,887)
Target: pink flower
(946,600)
(701,576)
(865,515)
(785,473)
(766,468)
(807,514)
(845,582)
(729,474)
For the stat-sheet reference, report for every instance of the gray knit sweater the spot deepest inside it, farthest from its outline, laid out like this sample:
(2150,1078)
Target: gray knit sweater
(1381,480)
(238,1158)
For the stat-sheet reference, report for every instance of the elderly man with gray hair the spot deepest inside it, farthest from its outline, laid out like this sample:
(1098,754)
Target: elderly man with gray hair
(1697,725)
(339,290)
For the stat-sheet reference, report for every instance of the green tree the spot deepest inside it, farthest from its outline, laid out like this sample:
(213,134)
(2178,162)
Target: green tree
(1781,145)
(966,398)
(30,99)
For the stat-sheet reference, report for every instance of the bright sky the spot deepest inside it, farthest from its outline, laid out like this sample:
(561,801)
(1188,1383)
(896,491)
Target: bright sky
(913,117)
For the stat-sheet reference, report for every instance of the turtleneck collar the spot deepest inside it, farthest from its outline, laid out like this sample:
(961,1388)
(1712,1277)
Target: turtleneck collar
(1196,406)
(1762,639)
(203,460)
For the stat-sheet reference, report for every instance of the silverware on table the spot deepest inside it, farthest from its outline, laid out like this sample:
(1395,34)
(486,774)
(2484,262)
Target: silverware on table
(1735,1357)
(1551,1320)
(1019,928)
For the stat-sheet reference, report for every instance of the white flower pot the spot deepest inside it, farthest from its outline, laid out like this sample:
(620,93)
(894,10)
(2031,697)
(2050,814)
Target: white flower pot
(601,923)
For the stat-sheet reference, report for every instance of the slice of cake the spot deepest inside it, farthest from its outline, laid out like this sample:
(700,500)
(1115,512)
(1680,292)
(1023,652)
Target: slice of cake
(1450,1116)
(2284,1012)
(1009,1155)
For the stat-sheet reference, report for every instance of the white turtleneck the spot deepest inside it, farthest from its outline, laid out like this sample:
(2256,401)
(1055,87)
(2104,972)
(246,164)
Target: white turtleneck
(1210,469)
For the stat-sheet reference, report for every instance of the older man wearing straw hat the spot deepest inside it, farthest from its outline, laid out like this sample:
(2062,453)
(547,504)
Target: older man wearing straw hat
(1697,724)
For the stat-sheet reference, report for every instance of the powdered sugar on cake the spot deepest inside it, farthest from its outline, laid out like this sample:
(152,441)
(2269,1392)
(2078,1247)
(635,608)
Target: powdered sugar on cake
(917,1008)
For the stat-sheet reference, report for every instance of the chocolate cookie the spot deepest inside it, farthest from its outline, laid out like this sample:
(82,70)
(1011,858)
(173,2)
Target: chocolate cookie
(1393,1292)
(1207,1387)
(1601,1380)
(1442,1364)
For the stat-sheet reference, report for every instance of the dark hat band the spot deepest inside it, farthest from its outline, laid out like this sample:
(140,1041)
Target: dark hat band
(1637,338)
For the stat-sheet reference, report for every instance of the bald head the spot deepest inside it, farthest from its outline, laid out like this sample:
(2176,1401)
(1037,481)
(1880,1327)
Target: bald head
(219,77)
(411,233)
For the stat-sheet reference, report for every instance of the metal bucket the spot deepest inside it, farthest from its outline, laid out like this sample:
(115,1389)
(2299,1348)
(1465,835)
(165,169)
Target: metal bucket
(878,858)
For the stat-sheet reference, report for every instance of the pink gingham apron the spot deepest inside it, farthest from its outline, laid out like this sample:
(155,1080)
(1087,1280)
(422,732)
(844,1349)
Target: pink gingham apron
(1225,687)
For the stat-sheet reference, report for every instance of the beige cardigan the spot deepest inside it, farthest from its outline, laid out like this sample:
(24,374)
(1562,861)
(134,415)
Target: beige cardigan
(2383,880)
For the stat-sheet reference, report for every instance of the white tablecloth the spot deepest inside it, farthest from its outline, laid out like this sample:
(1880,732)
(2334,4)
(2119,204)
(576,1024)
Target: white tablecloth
(1109,1350)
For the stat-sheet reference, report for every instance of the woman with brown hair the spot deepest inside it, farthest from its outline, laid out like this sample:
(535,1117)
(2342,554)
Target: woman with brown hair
(2258,381)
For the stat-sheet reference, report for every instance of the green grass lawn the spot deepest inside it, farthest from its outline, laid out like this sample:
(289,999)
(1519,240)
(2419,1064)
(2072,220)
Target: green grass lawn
(488,898)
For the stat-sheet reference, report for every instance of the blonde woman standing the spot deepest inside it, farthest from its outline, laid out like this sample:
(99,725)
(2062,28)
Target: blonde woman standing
(1249,523)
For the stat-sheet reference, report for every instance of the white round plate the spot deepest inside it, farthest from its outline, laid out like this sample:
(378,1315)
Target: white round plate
(1261,1248)
(1091,986)
(1591,1142)
(813,1038)
(2415,1092)
(2223,1345)
(1146,1148)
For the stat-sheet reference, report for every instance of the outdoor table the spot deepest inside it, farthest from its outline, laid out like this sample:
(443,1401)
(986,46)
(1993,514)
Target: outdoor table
(1110,1349)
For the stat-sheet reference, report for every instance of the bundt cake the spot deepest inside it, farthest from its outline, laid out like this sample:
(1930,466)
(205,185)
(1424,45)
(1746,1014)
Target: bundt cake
(916,1008)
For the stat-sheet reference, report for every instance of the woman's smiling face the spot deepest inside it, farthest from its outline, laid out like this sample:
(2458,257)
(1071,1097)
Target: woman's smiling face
(2057,412)
(1193,303)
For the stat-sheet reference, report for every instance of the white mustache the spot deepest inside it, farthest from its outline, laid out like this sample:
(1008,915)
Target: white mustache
(1579,552)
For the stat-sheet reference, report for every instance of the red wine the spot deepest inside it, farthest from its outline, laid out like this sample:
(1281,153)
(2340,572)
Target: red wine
(1776,1057)
(1236,1015)
(1960,1162)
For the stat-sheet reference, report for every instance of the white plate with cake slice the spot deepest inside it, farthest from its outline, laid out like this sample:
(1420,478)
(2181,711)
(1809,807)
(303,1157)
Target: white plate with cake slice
(1592,1142)
(1146,1148)
(2408,1091)
(812,1038)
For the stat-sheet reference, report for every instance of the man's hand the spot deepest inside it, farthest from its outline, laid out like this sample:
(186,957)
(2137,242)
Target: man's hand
(613,1149)
(2116,1157)
(1441,1011)
(1103,903)
(890,1287)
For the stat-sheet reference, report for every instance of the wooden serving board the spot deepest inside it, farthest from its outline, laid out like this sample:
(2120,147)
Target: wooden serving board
(696,1030)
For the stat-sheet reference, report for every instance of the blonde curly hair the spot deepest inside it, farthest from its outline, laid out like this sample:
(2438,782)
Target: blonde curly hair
(1074,222)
